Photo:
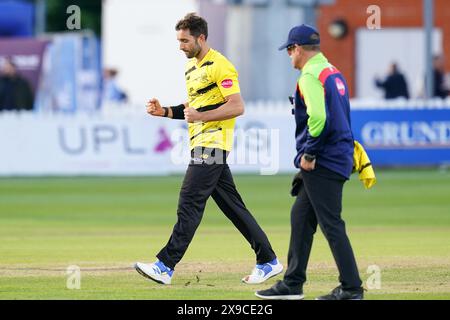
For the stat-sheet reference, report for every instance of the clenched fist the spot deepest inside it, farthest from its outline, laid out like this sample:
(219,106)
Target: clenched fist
(154,108)
(192,115)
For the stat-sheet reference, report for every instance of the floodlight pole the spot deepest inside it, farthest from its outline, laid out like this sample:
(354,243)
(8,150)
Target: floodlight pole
(41,8)
(428,17)
(309,13)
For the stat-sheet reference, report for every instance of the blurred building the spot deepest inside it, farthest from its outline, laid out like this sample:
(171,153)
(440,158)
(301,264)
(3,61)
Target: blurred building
(248,32)
(142,45)
(361,52)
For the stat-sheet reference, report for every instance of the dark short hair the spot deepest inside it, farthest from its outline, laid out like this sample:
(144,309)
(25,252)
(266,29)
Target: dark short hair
(311,47)
(195,24)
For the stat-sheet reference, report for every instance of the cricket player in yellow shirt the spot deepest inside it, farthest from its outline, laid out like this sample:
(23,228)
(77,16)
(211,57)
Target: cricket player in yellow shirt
(214,101)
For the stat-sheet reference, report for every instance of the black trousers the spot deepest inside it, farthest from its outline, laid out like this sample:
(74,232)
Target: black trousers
(205,178)
(319,201)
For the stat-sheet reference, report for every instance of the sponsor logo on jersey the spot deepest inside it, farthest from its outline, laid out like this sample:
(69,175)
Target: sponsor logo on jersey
(227,83)
(340,86)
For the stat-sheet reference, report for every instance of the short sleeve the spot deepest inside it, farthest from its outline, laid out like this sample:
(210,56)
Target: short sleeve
(226,78)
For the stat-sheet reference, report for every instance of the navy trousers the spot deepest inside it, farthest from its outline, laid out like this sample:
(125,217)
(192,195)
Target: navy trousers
(319,202)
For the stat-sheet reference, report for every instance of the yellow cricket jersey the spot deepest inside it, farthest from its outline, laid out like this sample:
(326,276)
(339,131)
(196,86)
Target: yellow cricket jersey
(207,83)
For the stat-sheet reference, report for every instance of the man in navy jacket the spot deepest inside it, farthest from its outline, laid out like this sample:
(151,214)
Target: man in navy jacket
(325,159)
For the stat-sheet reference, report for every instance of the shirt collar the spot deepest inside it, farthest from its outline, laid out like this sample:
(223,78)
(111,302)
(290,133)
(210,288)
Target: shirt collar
(206,57)
(318,58)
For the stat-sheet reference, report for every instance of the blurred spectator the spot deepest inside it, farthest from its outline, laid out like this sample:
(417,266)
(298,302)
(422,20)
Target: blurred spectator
(15,90)
(439,89)
(394,85)
(111,91)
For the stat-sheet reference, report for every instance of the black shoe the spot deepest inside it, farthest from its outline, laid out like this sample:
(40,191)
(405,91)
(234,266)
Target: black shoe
(341,294)
(280,291)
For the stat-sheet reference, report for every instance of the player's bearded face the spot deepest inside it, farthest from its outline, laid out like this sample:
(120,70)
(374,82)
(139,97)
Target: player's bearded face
(189,44)
(193,50)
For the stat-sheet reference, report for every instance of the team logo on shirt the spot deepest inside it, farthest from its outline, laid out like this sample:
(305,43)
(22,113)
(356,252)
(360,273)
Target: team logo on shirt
(340,86)
(227,83)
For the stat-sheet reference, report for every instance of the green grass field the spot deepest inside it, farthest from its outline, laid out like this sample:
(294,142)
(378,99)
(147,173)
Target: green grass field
(104,225)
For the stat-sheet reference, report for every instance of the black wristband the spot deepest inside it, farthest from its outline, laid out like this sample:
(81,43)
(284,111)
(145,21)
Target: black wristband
(166,112)
(309,157)
(178,112)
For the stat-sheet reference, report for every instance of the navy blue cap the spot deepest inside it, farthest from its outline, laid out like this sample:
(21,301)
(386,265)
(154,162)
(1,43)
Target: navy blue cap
(302,35)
